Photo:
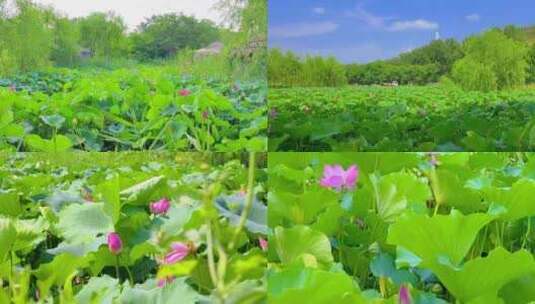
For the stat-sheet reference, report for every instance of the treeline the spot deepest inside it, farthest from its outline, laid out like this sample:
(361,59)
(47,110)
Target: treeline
(34,36)
(288,69)
(496,59)
(419,66)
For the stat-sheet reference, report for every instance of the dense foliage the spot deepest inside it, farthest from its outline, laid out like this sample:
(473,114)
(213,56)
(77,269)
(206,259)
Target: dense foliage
(442,53)
(142,108)
(34,37)
(401,228)
(104,35)
(384,72)
(496,59)
(420,66)
(288,70)
(162,36)
(531,65)
(131,228)
(493,61)
(405,118)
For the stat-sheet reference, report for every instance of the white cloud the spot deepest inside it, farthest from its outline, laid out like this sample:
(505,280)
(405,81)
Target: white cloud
(367,17)
(318,10)
(473,17)
(135,11)
(303,29)
(387,23)
(410,25)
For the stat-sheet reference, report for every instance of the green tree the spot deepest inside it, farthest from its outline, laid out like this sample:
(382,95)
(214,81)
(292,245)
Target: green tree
(442,53)
(284,69)
(66,48)
(515,33)
(287,70)
(472,74)
(163,36)
(531,65)
(246,41)
(26,38)
(492,53)
(104,34)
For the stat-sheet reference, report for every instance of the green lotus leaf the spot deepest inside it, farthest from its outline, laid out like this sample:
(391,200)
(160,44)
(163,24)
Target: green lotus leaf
(298,285)
(432,238)
(56,272)
(8,236)
(102,289)
(485,276)
(298,242)
(83,223)
(396,192)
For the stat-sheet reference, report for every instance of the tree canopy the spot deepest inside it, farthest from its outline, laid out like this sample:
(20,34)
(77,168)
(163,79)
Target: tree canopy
(163,36)
(492,61)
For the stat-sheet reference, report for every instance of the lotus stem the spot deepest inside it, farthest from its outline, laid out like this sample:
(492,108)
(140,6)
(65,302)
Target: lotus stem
(117,267)
(248,203)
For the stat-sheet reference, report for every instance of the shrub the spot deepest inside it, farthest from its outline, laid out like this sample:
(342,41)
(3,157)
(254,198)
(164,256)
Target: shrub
(382,72)
(288,69)
(531,65)
(499,61)
(473,75)
(164,35)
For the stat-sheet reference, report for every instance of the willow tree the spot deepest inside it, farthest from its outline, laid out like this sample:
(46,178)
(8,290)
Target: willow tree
(492,61)
(247,34)
(104,34)
(26,36)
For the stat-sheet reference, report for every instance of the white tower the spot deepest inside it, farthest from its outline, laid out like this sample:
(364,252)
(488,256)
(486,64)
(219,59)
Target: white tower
(437,36)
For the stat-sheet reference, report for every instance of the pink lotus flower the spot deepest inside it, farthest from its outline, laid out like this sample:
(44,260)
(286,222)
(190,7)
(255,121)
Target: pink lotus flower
(12,88)
(114,243)
(179,252)
(336,177)
(263,244)
(404,295)
(184,92)
(165,281)
(205,114)
(160,207)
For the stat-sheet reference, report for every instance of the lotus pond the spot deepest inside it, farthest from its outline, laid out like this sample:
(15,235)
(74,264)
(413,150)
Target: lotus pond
(132,228)
(401,228)
(405,118)
(137,108)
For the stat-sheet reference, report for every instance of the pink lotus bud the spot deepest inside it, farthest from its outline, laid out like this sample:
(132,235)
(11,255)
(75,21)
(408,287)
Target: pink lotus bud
(205,114)
(335,177)
(404,295)
(263,244)
(184,92)
(178,253)
(114,243)
(160,207)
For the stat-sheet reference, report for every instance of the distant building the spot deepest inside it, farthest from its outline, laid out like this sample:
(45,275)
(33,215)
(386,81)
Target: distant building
(213,49)
(85,53)
(437,36)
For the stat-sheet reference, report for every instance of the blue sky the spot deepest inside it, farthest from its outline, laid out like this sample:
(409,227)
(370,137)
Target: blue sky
(366,30)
